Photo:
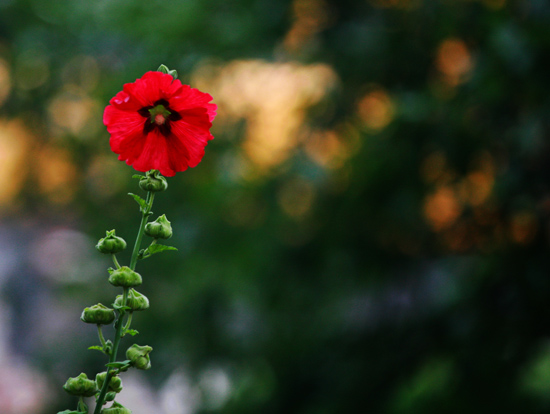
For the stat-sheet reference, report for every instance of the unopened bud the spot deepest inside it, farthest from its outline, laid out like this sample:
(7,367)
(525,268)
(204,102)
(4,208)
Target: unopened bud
(124,277)
(114,385)
(136,301)
(111,243)
(164,69)
(153,181)
(159,229)
(80,386)
(139,356)
(116,408)
(98,314)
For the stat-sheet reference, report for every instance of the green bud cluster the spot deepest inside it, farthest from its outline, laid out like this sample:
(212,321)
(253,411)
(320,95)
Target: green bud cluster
(80,386)
(136,301)
(124,277)
(98,314)
(159,229)
(111,243)
(139,356)
(124,305)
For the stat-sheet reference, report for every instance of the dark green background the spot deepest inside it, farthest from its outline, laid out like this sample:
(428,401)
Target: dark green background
(413,276)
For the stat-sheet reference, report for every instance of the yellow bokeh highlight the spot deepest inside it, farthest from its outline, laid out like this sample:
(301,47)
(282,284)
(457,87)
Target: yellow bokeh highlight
(454,61)
(15,141)
(376,109)
(442,207)
(5,81)
(73,111)
(271,97)
(310,17)
(56,174)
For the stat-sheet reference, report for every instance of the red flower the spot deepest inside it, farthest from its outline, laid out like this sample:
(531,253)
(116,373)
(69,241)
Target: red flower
(159,123)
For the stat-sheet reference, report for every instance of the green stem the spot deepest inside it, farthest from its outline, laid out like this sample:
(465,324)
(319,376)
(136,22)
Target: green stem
(128,322)
(115,261)
(101,337)
(112,358)
(144,217)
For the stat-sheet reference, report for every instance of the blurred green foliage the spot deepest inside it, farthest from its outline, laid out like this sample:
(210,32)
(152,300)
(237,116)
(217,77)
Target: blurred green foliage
(399,266)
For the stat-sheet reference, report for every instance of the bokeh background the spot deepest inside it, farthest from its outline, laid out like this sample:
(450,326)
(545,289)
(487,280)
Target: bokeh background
(367,233)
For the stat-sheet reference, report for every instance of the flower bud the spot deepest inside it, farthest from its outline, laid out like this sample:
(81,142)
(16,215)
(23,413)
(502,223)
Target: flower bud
(80,386)
(116,408)
(164,69)
(124,277)
(98,314)
(139,356)
(159,229)
(110,396)
(111,243)
(114,385)
(153,181)
(136,301)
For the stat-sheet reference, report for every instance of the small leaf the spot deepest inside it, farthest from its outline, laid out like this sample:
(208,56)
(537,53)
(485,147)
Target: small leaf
(139,177)
(120,307)
(132,332)
(140,201)
(96,347)
(118,364)
(157,248)
(110,270)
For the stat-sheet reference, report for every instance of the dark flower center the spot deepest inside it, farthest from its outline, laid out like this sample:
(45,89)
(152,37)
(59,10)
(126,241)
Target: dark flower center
(160,115)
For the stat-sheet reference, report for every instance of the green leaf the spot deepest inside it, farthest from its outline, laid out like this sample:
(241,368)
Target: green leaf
(96,347)
(120,307)
(139,177)
(157,248)
(132,332)
(140,201)
(118,364)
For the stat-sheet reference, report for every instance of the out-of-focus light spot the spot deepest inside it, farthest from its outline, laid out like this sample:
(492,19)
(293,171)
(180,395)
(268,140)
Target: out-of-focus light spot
(81,72)
(216,387)
(442,208)
(271,97)
(74,112)
(296,197)
(178,396)
(476,187)
(310,17)
(327,149)
(523,227)
(376,109)
(56,174)
(66,256)
(31,69)
(5,81)
(14,143)
(454,61)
